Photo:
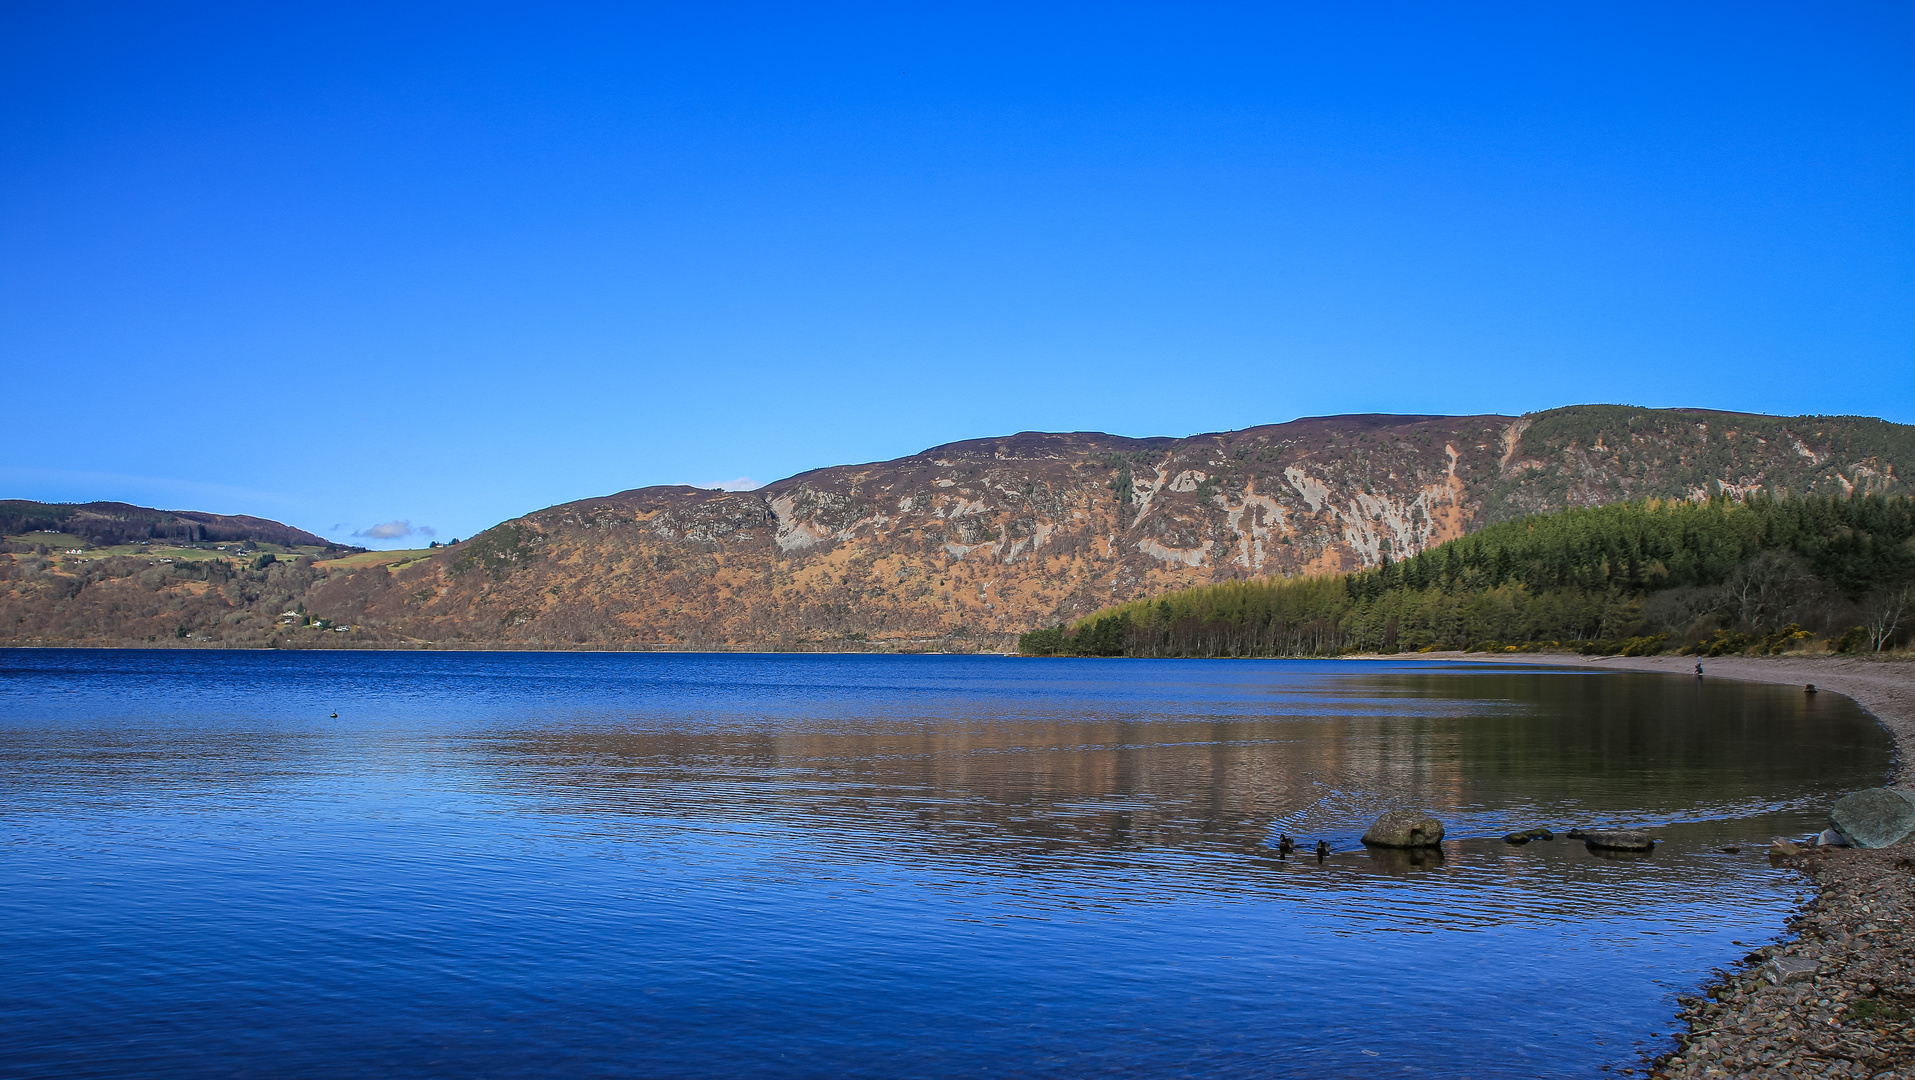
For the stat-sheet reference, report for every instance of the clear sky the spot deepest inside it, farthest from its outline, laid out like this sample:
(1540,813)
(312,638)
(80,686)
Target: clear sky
(350,265)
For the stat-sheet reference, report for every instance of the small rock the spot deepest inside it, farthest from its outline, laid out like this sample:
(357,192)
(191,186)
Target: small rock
(1618,840)
(1784,849)
(1405,829)
(1731,850)
(1783,970)
(1517,838)
(1874,818)
(1830,838)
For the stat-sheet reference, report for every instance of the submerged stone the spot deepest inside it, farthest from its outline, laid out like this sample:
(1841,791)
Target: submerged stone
(1405,829)
(1876,817)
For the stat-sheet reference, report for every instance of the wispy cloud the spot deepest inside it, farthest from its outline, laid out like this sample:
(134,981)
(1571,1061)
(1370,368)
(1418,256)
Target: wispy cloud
(393,530)
(743,483)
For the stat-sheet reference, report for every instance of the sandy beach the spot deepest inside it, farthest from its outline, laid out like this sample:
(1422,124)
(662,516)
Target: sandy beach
(1837,998)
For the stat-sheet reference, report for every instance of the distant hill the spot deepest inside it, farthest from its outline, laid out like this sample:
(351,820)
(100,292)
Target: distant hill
(965,545)
(107,523)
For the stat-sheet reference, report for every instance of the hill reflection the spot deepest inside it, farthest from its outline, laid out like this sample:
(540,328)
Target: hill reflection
(1318,759)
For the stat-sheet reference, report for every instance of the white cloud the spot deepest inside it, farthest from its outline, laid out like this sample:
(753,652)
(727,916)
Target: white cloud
(392,530)
(743,483)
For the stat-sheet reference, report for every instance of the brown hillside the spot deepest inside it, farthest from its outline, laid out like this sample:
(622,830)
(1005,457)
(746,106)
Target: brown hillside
(965,545)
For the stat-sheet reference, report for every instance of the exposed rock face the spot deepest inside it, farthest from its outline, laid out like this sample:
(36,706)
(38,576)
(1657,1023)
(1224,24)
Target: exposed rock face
(1875,818)
(968,544)
(1404,829)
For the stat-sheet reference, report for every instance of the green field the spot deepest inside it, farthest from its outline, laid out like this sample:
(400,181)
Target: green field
(390,559)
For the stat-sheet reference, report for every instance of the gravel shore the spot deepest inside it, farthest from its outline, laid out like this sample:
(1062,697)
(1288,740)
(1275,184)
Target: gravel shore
(1837,1000)
(1834,1002)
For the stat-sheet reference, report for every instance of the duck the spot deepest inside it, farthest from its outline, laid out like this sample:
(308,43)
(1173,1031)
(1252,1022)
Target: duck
(1285,845)
(1323,850)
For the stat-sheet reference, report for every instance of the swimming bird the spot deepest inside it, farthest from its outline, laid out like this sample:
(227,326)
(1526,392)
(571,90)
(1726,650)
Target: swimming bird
(1285,845)
(1323,850)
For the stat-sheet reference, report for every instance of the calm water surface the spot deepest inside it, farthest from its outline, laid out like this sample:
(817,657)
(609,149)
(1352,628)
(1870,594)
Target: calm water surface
(509,864)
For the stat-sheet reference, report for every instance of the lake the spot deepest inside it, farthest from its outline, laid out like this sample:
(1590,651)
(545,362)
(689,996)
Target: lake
(547,864)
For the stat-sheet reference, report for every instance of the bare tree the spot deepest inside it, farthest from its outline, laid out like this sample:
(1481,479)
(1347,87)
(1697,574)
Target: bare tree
(1680,610)
(1883,612)
(1766,591)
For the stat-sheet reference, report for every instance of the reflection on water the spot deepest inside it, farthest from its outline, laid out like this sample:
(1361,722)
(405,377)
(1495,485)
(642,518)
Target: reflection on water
(559,864)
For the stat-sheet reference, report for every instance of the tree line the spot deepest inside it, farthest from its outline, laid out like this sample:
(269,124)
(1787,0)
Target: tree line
(1709,577)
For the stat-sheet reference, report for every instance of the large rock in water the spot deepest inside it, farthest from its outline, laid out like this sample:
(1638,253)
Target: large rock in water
(1619,840)
(1405,829)
(1877,817)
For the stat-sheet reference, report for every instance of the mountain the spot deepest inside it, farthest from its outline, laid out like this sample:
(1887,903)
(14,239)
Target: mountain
(107,523)
(975,541)
(965,545)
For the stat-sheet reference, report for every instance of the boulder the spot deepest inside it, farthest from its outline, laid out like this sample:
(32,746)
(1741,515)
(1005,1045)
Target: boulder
(1873,818)
(1618,840)
(1405,829)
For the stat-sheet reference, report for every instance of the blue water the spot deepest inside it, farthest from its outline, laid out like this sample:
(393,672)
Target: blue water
(508,864)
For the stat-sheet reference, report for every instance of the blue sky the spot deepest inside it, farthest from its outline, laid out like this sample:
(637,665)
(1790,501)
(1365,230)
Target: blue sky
(349,265)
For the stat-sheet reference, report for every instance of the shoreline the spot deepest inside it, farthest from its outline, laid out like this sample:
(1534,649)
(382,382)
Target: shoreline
(1836,998)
